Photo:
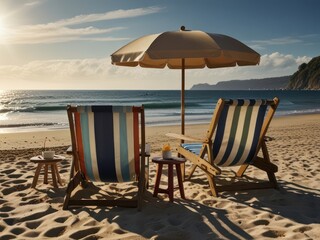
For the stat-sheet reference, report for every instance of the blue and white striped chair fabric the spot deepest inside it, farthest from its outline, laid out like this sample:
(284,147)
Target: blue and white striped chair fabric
(108,142)
(237,134)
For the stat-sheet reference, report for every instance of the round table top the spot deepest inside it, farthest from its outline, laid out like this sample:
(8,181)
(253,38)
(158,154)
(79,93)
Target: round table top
(174,160)
(39,158)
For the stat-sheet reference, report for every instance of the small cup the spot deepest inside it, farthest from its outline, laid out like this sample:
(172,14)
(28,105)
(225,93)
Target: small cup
(148,149)
(48,154)
(166,154)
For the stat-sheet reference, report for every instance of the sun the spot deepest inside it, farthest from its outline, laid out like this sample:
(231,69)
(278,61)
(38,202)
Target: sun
(2,30)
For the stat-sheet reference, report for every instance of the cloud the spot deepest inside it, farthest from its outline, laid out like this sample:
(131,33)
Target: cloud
(100,74)
(32,3)
(34,35)
(309,39)
(280,61)
(60,31)
(106,16)
(277,41)
(262,44)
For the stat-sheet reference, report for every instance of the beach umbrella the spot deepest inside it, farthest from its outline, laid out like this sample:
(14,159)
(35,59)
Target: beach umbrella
(185,49)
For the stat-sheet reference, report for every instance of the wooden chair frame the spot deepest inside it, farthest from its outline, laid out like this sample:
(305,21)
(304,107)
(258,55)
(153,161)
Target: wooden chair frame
(77,177)
(212,170)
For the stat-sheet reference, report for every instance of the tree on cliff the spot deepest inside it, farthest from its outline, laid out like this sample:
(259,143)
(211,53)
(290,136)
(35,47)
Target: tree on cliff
(307,77)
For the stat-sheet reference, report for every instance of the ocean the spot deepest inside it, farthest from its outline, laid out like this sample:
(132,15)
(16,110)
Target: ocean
(32,110)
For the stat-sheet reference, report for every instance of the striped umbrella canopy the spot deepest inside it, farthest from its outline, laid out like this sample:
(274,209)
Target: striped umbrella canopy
(185,49)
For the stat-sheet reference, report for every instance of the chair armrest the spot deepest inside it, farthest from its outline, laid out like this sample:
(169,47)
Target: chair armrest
(184,137)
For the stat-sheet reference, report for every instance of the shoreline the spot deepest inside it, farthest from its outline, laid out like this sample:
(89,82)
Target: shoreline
(288,213)
(61,137)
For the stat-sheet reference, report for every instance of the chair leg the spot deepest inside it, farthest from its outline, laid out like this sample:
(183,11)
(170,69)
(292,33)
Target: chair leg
(69,190)
(241,170)
(273,180)
(75,181)
(269,167)
(212,185)
(141,190)
(143,184)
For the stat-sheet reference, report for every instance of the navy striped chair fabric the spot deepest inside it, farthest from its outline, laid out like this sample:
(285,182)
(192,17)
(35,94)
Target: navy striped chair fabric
(237,133)
(234,138)
(105,147)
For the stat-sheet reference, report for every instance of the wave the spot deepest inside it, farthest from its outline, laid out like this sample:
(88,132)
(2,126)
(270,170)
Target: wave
(62,107)
(45,124)
(33,109)
(168,105)
(297,112)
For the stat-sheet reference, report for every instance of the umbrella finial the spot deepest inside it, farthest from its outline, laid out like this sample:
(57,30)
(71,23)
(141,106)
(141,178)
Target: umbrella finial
(182,28)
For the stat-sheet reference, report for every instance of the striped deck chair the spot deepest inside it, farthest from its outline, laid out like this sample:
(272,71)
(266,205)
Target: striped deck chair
(106,148)
(236,135)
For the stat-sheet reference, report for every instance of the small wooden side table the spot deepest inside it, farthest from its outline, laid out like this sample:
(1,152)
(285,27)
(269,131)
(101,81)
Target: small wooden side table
(46,163)
(172,161)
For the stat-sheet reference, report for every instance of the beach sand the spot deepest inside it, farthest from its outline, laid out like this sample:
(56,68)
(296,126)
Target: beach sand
(292,212)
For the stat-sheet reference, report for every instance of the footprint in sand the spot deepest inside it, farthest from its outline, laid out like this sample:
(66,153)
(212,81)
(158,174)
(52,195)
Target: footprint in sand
(61,219)
(261,222)
(32,234)
(83,233)
(4,215)
(33,224)
(37,213)
(119,231)
(6,209)
(23,163)
(2,228)
(303,229)
(9,171)
(9,221)
(18,230)
(2,178)
(13,189)
(8,236)
(55,232)
(18,181)
(274,234)
(14,175)
(90,223)
(31,201)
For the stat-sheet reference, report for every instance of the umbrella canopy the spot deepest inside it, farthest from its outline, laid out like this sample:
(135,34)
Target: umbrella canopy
(185,49)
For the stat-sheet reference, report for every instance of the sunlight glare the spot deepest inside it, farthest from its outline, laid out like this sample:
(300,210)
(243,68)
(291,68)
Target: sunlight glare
(2,30)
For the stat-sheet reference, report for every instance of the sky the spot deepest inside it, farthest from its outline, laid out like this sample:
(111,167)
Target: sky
(66,44)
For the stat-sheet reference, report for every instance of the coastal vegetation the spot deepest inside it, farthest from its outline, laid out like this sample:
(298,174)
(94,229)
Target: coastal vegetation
(306,78)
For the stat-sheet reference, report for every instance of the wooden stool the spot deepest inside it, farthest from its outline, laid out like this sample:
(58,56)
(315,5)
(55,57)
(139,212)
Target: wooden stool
(46,163)
(172,161)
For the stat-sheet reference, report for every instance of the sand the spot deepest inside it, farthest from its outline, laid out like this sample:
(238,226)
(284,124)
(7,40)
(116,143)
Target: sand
(292,212)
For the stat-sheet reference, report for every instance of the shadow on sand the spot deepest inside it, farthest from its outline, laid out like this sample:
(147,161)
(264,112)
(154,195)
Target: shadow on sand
(165,220)
(179,220)
(292,201)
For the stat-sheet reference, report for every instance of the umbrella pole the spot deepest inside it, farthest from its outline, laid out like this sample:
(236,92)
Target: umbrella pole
(182,95)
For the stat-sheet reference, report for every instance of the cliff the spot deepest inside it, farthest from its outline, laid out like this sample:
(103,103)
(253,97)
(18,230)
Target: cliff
(252,84)
(307,77)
